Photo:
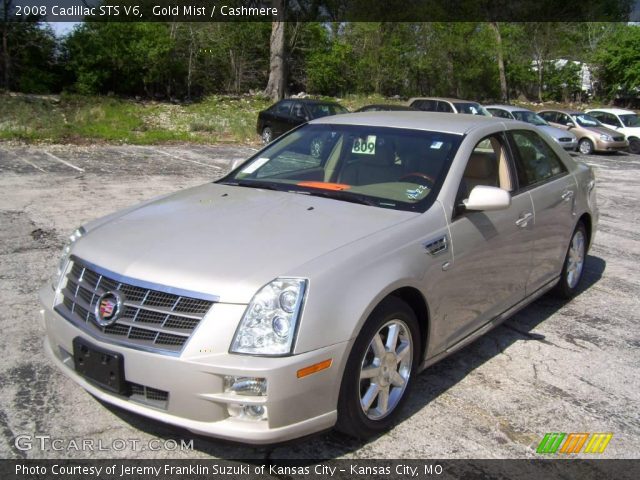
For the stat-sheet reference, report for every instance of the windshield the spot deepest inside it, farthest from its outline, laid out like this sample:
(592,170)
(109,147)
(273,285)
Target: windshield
(325,109)
(585,120)
(529,117)
(630,120)
(471,108)
(384,167)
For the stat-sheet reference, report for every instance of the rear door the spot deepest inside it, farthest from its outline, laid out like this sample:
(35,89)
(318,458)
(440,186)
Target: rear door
(553,190)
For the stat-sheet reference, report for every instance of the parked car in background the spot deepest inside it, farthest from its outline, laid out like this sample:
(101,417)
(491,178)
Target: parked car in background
(308,287)
(565,138)
(286,114)
(381,107)
(447,105)
(623,121)
(592,135)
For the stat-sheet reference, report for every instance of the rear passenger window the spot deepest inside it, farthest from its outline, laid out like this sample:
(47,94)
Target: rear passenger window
(499,113)
(425,105)
(444,107)
(284,107)
(536,161)
(549,116)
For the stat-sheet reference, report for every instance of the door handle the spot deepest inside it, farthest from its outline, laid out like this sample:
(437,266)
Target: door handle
(568,195)
(523,221)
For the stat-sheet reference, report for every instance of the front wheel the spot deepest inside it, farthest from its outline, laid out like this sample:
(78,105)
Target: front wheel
(379,370)
(573,267)
(585,146)
(634,146)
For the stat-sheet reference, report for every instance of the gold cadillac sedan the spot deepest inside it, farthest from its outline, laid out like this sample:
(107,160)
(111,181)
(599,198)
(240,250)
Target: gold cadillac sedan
(307,288)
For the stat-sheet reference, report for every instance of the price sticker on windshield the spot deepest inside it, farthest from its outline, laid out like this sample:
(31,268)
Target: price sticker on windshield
(364,146)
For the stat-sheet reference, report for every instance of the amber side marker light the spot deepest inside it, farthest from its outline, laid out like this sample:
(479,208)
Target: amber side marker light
(315,368)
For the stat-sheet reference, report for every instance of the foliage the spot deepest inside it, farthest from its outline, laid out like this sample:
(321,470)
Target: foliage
(618,61)
(191,61)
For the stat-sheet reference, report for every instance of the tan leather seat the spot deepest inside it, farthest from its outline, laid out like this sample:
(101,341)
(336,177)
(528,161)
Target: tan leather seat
(482,169)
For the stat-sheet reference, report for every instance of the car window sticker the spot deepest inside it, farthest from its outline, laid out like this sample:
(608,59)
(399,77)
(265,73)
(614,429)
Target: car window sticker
(255,165)
(364,147)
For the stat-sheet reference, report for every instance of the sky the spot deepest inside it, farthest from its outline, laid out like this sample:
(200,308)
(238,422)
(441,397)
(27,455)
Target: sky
(62,28)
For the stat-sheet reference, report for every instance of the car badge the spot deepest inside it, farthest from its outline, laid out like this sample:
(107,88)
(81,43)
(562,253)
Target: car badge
(108,309)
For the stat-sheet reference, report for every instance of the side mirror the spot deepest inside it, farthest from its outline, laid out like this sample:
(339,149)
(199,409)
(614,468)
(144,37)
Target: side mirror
(483,197)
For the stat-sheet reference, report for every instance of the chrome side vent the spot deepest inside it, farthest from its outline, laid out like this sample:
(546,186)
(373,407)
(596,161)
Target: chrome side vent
(437,246)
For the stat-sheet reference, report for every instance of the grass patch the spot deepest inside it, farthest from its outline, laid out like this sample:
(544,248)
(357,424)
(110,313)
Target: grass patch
(83,119)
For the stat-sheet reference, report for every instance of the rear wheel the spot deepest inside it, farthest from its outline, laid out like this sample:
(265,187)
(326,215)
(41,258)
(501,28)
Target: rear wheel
(379,370)
(634,145)
(585,146)
(573,264)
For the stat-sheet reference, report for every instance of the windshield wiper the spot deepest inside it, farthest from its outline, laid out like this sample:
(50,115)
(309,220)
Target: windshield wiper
(253,184)
(345,197)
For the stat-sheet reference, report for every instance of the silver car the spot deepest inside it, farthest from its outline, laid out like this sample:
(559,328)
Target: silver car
(566,139)
(307,288)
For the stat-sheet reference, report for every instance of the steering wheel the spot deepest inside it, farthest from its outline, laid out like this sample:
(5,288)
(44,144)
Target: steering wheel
(419,175)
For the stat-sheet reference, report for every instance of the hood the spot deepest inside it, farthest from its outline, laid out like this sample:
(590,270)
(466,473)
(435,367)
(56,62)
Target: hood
(554,132)
(602,130)
(226,240)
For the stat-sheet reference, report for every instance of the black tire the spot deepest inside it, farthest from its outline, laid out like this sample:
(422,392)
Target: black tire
(634,146)
(585,146)
(353,420)
(571,275)
(267,135)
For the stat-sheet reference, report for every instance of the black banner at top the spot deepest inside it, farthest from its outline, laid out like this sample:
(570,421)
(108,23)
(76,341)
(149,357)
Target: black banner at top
(323,10)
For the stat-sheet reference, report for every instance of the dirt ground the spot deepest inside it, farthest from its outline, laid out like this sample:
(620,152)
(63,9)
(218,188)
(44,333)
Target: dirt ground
(553,367)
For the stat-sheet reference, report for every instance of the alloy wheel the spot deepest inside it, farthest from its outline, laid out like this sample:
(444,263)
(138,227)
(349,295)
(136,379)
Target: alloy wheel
(385,369)
(576,259)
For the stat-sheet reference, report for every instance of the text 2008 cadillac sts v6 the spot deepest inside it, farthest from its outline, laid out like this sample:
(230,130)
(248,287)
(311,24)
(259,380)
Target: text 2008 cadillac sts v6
(308,287)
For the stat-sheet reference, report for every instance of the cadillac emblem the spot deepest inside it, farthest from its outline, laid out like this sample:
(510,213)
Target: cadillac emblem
(108,309)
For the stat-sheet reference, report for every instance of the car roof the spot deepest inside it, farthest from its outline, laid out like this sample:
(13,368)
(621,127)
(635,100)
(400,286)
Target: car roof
(445,99)
(562,110)
(428,121)
(615,111)
(509,108)
(390,106)
(311,100)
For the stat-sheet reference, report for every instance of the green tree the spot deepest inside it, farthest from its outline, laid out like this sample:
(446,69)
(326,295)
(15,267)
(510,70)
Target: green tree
(618,62)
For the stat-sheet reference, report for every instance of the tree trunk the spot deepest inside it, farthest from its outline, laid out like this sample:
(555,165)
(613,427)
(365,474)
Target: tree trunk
(504,91)
(277,73)
(540,81)
(5,45)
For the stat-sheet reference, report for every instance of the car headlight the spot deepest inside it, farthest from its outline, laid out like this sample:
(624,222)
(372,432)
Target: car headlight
(268,325)
(64,258)
(605,137)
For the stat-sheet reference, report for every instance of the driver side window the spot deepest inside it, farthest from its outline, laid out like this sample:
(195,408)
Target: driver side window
(487,165)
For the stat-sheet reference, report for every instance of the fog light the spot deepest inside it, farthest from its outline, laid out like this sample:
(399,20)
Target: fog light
(247,412)
(254,411)
(251,386)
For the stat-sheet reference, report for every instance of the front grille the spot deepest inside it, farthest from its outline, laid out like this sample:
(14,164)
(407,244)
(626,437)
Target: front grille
(565,139)
(151,319)
(618,139)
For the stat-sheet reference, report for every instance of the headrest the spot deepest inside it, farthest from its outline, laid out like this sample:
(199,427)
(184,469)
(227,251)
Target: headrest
(481,165)
(384,156)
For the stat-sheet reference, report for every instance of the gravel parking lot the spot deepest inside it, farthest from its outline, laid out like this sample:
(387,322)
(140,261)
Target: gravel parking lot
(554,367)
